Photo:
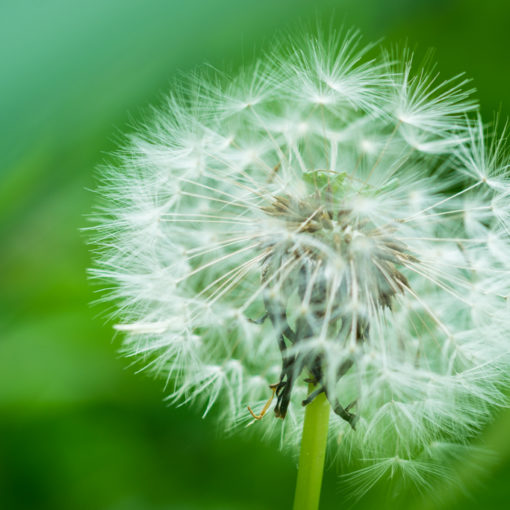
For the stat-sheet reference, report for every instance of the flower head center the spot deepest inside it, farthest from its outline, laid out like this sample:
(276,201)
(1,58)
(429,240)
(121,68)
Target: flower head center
(339,268)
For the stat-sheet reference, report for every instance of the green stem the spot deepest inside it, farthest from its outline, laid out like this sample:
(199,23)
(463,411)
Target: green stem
(313,452)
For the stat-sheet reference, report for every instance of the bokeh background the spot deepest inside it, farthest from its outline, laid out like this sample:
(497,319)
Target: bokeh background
(79,429)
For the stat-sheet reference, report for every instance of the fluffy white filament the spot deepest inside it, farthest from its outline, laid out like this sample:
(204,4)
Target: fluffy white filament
(361,197)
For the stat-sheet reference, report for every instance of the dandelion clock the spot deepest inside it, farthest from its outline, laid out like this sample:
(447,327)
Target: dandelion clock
(318,248)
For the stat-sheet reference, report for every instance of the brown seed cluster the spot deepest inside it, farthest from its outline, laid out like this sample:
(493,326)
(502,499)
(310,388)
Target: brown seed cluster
(336,298)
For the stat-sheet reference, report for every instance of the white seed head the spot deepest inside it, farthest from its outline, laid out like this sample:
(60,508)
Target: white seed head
(324,216)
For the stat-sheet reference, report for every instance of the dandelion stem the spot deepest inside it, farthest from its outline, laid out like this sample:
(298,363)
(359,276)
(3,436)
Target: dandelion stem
(313,452)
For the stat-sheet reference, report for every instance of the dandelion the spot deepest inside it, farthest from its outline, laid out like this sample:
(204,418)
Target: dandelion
(322,230)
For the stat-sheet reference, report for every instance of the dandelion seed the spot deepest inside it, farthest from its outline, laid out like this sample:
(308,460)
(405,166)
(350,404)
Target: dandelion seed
(321,218)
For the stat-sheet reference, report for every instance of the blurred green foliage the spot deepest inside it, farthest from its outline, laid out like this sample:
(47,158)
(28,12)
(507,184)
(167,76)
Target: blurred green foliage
(78,427)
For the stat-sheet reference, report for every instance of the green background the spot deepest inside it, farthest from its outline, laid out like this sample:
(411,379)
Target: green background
(79,429)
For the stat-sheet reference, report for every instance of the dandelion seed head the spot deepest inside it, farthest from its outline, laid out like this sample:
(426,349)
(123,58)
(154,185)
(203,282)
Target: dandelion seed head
(325,215)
